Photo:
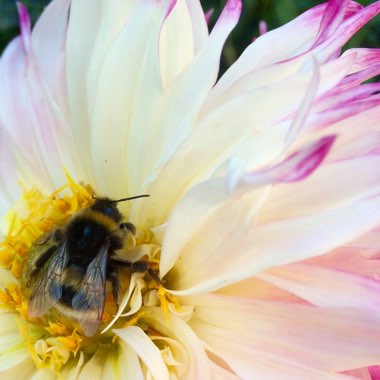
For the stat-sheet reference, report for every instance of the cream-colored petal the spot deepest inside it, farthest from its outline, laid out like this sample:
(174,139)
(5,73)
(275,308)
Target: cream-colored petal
(117,362)
(139,342)
(72,370)
(22,371)
(176,119)
(129,363)
(13,350)
(121,363)
(93,369)
(129,70)
(44,374)
(198,364)
(7,278)
(176,43)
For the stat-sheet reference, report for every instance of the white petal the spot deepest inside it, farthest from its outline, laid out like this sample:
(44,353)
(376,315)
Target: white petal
(212,260)
(324,286)
(221,132)
(219,373)
(198,209)
(333,184)
(296,167)
(324,339)
(17,107)
(83,23)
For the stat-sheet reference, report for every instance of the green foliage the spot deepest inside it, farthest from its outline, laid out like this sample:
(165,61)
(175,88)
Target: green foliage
(274,12)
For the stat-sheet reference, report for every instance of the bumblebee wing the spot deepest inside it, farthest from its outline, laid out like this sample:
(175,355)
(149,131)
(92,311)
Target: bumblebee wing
(89,300)
(49,289)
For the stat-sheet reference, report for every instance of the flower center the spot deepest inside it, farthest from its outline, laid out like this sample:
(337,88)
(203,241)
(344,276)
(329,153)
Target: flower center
(57,335)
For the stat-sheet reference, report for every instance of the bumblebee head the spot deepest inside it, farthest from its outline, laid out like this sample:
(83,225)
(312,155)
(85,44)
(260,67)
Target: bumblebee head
(109,208)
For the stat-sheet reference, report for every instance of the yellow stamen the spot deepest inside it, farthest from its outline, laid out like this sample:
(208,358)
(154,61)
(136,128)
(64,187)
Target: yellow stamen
(167,299)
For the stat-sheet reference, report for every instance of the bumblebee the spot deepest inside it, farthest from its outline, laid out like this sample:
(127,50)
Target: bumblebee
(75,261)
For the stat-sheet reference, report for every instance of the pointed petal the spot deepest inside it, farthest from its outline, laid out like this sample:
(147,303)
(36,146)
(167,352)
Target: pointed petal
(25,24)
(346,30)
(331,19)
(303,31)
(183,34)
(294,168)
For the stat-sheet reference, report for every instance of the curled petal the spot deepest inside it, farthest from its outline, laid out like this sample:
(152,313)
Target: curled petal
(198,365)
(145,349)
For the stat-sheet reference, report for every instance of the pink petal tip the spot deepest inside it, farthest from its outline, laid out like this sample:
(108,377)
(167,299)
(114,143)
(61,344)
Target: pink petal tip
(25,24)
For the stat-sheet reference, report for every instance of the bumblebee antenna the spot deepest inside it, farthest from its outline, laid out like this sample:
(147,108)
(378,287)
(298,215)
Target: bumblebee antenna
(130,198)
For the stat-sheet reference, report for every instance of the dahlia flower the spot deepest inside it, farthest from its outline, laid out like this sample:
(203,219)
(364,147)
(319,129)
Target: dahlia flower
(262,224)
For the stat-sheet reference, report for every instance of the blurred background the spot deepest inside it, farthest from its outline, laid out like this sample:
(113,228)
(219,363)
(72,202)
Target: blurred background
(274,12)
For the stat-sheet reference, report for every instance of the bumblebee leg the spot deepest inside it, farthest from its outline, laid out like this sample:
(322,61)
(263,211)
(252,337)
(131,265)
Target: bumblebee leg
(120,263)
(154,275)
(137,266)
(143,266)
(115,285)
(140,266)
(128,226)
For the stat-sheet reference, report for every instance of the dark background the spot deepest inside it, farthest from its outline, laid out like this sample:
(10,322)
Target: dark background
(274,12)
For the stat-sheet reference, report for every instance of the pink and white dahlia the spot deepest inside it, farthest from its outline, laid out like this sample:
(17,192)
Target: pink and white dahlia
(263,220)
